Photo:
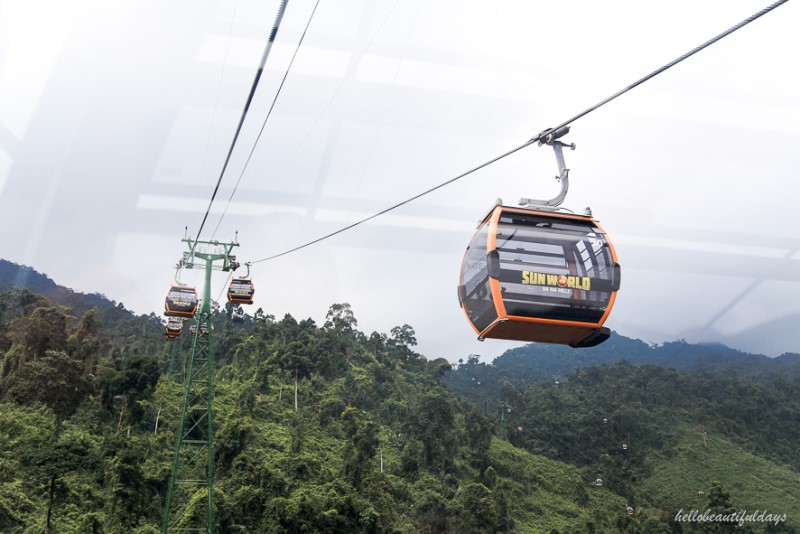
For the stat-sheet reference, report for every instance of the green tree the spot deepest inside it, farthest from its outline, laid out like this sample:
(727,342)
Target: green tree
(83,343)
(362,443)
(56,380)
(340,318)
(433,424)
(477,512)
(720,504)
(44,329)
(134,383)
(72,451)
(18,302)
(478,431)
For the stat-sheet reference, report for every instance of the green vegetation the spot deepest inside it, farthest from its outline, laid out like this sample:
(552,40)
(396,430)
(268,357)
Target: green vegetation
(753,482)
(327,429)
(659,437)
(320,429)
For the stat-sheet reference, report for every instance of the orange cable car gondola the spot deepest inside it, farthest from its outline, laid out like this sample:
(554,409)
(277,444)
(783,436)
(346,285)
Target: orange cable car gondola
(203,329)
(181,301)
(241,291)
(173,329)
(537,274)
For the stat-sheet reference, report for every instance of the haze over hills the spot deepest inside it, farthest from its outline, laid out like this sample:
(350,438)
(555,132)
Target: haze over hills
(13,275)
(543,360)
(538,362)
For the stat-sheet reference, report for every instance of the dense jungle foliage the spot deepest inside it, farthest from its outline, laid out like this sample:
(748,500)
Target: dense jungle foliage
(323,428)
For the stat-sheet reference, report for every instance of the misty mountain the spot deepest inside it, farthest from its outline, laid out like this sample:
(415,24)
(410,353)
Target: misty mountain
(21,276)
(538,362)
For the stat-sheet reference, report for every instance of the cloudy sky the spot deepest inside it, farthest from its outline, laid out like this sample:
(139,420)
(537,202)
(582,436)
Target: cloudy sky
(115,119)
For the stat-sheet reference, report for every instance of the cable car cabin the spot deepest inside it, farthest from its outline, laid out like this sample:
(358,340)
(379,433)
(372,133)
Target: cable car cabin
(531,275)
(203,329)
(173,329)
(181,302)
(241,291)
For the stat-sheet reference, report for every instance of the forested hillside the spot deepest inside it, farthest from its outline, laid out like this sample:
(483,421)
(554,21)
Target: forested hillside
(370,440)
(652,434)
(105,309)
(323,428)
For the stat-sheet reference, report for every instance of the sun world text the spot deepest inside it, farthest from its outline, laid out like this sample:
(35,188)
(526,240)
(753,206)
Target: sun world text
(557,280)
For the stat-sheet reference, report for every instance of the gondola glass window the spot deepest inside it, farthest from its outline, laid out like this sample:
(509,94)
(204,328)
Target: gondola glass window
(553,269)
(475,291)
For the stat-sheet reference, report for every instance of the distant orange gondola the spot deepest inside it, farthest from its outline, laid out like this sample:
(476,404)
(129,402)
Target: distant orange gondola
(173,329)
(203,329)
(241,291)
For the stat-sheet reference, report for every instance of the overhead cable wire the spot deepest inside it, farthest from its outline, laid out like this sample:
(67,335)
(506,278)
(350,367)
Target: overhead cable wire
(327,105)
(415,197)
(264,124)
(264,57)
(224,286)
(672,63)
(541,136)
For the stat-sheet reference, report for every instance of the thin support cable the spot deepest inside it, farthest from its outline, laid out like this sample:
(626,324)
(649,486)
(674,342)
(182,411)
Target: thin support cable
(541,136)
(264,56)
(415,197)
(264,124)
(225,285)
(672,63)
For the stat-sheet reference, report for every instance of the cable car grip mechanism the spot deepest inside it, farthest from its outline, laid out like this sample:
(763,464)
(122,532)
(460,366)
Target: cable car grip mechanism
(550,137)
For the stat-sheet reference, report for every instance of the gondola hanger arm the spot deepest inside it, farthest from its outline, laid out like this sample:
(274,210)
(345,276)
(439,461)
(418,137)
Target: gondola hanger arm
(550,137)
(178,267)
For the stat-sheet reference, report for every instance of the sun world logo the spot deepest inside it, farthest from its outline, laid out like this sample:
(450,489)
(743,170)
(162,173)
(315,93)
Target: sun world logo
(557,280)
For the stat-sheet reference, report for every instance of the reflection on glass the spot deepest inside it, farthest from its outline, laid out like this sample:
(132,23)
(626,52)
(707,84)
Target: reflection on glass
(553,269)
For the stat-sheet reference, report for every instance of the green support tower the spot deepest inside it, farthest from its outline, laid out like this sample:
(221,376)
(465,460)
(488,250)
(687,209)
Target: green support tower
(189,504)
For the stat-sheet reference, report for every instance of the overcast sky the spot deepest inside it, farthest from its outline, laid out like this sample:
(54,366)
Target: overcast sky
(115,119)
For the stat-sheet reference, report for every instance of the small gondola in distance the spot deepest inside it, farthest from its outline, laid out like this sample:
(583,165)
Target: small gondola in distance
(173,329)
(539,275)
(203,329)
(241,291)
(181,301)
